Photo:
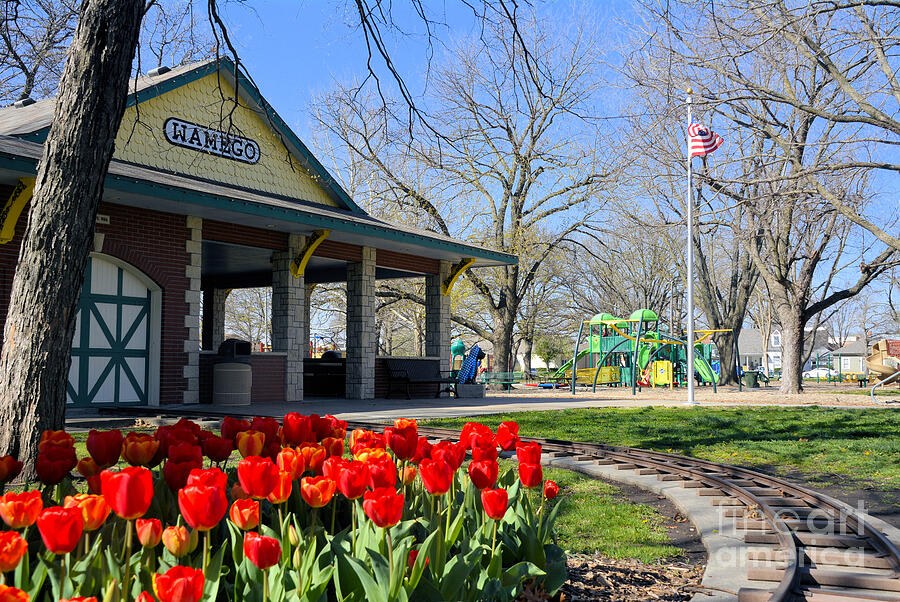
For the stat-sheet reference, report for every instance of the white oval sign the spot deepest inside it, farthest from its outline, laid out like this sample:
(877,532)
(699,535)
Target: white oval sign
(208,140)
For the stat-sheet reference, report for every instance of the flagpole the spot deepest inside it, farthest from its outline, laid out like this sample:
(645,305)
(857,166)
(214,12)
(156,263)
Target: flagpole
(690,266)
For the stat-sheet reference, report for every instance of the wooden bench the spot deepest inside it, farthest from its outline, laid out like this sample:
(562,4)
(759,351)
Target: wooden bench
(406,372)
(507,379)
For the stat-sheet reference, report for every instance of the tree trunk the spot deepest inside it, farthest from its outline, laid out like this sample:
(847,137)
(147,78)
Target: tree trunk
(34,363)
(791,352)
(527,345)
(727,361)
(502,341)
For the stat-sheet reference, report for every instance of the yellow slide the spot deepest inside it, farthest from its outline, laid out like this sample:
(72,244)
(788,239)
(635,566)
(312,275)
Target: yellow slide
(885,359)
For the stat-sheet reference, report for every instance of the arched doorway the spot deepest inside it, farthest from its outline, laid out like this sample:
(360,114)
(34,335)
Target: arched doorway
(115,348)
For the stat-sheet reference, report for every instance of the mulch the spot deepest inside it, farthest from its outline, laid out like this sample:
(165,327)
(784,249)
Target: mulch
(598,578)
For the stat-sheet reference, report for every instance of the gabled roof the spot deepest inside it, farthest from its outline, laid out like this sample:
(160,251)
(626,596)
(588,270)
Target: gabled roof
(32,122)
(857,348)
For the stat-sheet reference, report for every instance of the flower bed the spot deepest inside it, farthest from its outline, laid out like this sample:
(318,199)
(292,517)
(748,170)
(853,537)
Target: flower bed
(299,518)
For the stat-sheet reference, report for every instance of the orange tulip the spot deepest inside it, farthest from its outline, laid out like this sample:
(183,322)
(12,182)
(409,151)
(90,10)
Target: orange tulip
(56,438)
(368,454)
(250,443)
(20,510)
(12,594)
(333,446)
(179,541)
(12,548)
(283,487)
(94,509)
(290,460)
(245,514)
(139,449)
(149,531)
(314,456)
(86,467)
(317,491)
(409,475)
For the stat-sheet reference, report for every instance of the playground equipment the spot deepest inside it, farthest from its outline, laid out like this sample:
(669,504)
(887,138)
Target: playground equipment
(884,364)
(637,352)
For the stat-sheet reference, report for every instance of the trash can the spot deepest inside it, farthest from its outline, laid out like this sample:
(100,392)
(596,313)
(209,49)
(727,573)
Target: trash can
(751,380)
(232,373)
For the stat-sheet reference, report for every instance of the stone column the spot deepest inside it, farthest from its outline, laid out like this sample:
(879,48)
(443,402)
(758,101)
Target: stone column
(194,249)
(361,336)
(214,318)
(288,326)
(306,316)
(437,317)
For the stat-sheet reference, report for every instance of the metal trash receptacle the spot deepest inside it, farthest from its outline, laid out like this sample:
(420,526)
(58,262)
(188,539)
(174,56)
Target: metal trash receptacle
(232,373)
(751,380)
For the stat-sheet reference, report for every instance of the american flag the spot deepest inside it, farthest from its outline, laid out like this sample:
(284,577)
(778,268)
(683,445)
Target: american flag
(702,140)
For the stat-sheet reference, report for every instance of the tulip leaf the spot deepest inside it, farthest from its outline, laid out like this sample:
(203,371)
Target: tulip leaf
(380,569)
(457,571)
(347,583)
(455,528)
(37,579)
(213,575)
(495,565)
(400,554)
(555,568)
(373,592)
(424,556)
(518,573)
(237,543)
(320,585)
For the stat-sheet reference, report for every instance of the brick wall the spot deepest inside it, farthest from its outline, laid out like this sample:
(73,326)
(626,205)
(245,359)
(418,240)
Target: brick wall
(154,243)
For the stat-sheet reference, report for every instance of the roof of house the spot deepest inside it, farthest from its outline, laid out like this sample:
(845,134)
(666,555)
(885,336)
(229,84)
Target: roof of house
(24,129)
(857,348)
(750,341)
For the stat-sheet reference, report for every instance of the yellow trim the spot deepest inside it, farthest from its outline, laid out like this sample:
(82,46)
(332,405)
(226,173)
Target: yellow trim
(13,208)
(298,266)
(456,271)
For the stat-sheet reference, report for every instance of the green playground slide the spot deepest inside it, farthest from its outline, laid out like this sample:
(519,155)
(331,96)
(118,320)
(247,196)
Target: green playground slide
(644,356)
(561,371)
(705,370)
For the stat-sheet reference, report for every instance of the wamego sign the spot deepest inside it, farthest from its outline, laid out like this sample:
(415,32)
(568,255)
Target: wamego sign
(212,141)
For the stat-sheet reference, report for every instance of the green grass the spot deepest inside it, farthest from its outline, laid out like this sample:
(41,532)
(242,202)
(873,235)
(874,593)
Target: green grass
(862,446)
(596,517)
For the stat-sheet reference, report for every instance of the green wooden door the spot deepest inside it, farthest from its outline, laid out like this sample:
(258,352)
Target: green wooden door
(110,348)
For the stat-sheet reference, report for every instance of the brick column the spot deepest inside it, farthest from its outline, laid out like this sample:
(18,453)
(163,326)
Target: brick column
(361,336)
(214,317)
(288,326)
(194,249)
(437,317)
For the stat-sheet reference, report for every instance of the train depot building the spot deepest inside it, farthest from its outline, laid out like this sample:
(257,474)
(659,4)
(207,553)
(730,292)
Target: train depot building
(209,190)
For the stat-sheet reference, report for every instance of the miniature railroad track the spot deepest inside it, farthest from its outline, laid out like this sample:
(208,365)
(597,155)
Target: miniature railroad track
(811,547)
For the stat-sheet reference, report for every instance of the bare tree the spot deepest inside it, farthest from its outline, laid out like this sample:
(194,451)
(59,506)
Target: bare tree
(518,152)
(248,314)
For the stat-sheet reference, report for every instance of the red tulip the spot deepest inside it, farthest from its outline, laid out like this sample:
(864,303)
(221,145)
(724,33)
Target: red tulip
(170,436)
(217,449)
(473,428)
(332,467)
(289,460)
(437,476)
(93,508)
(551,490)
(80,599)
(210,477)
(149,531)
(12,594)
(60,528)
(238,493)
(313,456)
(402,441)
(363,439)
(188,425)
(484,473)
(203,507)
(9,469)
(411,559)
(12,548)
(144,597)
(382,472)
(128,492)
(333,446)
(508,435)
(20,510)
(384,506)
(139,449)
(179,584)
(54,462)
(262,551)
(495,502)
(268,427)
(283,487)
(245,514)
(451,453)
(485,452)
(328,426)
(232,426)
(297,429)
(317,491)
(423,450)
(183,458)
(352,479)
(257,476)
(531,475)
(105,447)
(528,452)
(95,484)
(56,438)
